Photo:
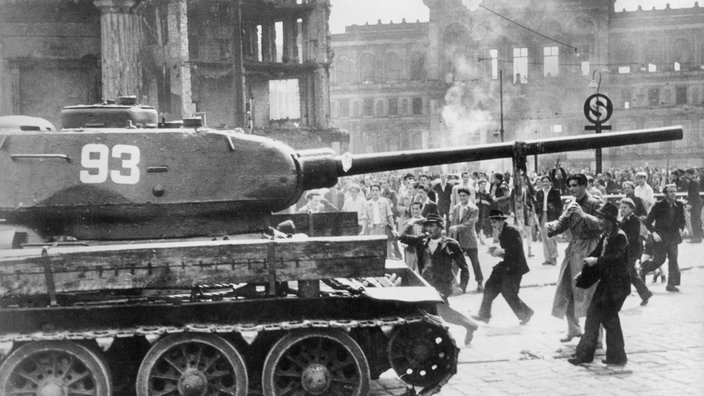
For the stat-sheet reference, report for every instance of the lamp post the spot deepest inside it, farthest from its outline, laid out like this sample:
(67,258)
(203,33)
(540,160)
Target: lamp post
(501,103)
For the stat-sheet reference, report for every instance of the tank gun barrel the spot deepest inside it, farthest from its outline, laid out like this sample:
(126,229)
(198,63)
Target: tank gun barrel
(321,169)
(366,163)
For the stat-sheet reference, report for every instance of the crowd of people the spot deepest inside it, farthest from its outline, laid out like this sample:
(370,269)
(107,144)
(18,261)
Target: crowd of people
(613,222)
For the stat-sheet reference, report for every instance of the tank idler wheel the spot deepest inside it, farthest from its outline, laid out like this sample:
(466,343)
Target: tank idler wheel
(422,354)
(192,364)
(316,362)
(54,368)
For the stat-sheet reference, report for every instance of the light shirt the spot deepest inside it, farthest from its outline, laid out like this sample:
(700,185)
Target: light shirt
(646,194)
(376,215)
(433,244)
(355,205)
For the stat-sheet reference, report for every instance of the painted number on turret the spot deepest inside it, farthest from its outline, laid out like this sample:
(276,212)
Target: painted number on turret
(95,159)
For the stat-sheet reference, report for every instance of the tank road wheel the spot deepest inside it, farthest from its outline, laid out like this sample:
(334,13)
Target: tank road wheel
(54,368)
(192,364)
(316,362)
(422,353)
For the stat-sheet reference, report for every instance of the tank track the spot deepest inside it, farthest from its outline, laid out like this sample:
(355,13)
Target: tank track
(103,335)
(103,338)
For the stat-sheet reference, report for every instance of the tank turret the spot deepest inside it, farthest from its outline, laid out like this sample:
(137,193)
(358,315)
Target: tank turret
(145,183)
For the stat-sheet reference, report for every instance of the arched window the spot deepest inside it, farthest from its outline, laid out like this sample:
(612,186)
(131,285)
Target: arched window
(417,66)
(682,53)
(393,67)
(343,70)
(653,53)
(367,69)
(379,111)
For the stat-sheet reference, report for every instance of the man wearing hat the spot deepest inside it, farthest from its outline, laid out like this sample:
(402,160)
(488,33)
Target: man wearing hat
(665,221)
(579,218)
(608,264)
(630,224)
(506,276)
(436,256)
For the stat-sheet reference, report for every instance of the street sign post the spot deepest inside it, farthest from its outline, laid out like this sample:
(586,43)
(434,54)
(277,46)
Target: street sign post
(598,109)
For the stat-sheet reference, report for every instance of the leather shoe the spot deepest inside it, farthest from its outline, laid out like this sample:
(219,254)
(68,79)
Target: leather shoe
(526,319)
(646,297)
(614,362)
(569,337)
(577,360)
(480,318)
(480,288)
(672,289)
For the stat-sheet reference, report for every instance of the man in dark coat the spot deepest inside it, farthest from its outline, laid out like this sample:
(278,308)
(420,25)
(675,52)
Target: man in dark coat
(436,256)
(630,224)
(484,203)
(608,264)
(429,207)
(558,176)
(506,276)
(548,207)
(665,221)
(443,191)
(694,202)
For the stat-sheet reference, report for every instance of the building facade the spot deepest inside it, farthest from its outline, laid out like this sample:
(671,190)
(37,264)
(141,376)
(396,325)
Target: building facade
(259,65)
(528,66)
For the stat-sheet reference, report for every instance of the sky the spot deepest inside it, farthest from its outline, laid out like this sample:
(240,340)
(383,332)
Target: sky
(351,12)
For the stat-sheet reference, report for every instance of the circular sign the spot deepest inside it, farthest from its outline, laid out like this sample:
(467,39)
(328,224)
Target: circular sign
(598,108)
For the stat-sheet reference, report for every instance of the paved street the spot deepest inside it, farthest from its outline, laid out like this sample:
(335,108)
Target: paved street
(664,342)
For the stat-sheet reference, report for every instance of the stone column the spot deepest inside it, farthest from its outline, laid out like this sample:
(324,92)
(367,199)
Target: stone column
(120,38)
(317,48)
(177,23)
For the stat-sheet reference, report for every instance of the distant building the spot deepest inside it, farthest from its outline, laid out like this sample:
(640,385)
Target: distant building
(258,65)
(431,84)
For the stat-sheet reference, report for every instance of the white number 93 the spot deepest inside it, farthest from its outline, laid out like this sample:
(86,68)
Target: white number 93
(95,159)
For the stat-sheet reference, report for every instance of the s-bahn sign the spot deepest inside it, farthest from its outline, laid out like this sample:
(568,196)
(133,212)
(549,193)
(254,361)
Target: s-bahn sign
(598,108)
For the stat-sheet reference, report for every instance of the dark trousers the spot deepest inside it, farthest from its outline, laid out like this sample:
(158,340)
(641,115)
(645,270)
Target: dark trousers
(666,248)
(473,255)
(606,315)
(508,285)
(636,281)
(696,219)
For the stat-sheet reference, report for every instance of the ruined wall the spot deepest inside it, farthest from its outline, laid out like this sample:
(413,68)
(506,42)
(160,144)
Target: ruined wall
(50,57)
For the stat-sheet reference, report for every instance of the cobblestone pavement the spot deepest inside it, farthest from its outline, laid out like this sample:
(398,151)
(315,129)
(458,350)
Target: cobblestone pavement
(664,342)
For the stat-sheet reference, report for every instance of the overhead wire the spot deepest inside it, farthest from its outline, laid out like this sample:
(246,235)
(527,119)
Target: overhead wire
(528,29)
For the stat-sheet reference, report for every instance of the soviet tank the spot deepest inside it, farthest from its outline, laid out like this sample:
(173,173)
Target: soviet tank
(139,259)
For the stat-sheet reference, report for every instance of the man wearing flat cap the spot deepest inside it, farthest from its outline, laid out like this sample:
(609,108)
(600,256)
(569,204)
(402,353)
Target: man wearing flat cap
(608,264)
(579,218)
(506,276)
(436,256)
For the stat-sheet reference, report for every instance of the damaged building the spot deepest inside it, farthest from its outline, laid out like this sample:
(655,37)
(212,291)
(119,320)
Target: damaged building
(262,65)
(413,85)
